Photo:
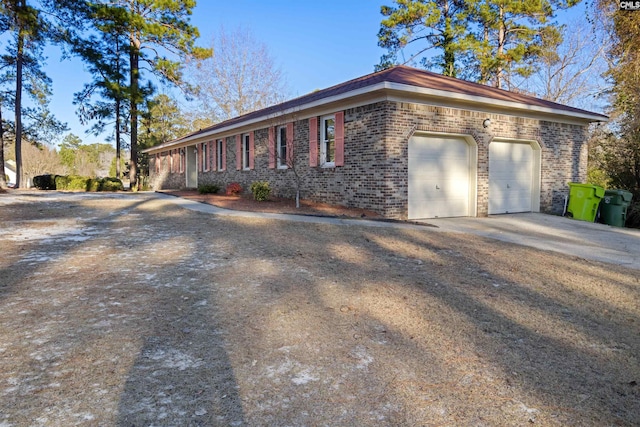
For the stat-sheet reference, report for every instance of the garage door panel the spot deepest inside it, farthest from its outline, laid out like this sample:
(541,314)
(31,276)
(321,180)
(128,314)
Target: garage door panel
(438,177)
(439,209)
(510,177)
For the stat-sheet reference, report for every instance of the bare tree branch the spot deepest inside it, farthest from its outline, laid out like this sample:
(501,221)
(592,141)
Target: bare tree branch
(240,77)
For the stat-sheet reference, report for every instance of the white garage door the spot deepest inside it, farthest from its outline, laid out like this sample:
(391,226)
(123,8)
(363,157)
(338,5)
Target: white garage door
(439,171)
(510,177)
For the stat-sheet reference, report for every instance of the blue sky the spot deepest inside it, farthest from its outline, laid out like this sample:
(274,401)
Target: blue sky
(317,44)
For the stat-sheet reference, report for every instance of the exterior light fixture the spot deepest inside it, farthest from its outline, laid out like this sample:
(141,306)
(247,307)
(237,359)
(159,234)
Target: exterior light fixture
(486,122)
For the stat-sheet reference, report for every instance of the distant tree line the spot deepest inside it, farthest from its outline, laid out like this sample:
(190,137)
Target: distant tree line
(72,157)
(129,47)
(128,42)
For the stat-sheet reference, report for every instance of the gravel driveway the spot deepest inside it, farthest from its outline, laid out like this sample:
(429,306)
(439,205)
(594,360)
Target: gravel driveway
(126,310)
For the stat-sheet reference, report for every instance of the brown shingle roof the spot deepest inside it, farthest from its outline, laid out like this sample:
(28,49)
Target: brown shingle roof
(401,75)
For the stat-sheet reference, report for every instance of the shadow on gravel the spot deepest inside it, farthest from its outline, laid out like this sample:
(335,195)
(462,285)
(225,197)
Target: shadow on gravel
(559,349)
(183,375)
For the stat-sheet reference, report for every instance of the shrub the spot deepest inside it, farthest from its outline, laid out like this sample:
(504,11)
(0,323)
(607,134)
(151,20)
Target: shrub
(73,182)
(93,184)
(61,182)
(111,184)
(45,182)
(261,190)
(233,189)
(208,189)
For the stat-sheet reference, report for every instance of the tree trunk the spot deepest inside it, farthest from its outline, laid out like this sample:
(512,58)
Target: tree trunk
(118,105)
(501,43)
(118,143)
(449,64)
(484,67)
(18,107)
(449,51)
(134,74)
(3,181)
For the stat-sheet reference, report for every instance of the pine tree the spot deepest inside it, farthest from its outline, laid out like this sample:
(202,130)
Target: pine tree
(430,24)
(22,64)
(152,27)
(509,35)
(481,40)
(104,100)
(23,56)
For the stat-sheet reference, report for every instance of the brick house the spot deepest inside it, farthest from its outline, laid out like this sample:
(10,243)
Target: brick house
(403,142)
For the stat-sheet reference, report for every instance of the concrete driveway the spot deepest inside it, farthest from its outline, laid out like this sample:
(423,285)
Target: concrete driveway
(620,246)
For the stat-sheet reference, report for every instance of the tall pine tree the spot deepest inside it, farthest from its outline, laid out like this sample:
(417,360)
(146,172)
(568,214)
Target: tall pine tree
(508,36)
(427,24)
(24,58)
(482,40)
(160,36)
(103,101)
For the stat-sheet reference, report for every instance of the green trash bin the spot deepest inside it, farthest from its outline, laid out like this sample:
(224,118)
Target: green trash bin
(584,200)
(613,209)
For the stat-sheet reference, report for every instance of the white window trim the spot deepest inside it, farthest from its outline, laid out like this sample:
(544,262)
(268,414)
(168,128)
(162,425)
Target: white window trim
(219,147)
(280,162)
(323,146)
(245,152)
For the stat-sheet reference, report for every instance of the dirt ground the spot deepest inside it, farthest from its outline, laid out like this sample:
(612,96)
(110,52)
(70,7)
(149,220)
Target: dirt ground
(125,310)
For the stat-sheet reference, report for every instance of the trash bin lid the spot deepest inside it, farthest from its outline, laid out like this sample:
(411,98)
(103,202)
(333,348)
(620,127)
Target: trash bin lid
(596,190)
(623,194)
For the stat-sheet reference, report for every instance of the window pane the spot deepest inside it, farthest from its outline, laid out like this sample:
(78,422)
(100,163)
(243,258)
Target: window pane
(328,141)
(331,151)
(329,130)
(245,160)
(205,165)
(282,148)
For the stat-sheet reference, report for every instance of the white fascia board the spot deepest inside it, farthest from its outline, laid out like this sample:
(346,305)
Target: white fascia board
(475,99)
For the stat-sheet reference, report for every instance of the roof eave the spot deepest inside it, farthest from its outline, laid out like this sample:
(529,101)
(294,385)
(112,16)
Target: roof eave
(270,117)
(387,87)
(482,100)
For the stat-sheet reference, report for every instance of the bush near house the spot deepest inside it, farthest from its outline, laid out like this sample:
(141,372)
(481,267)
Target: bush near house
(261,190)
(208,189)
(111,184)
(76,183)
(233,189)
